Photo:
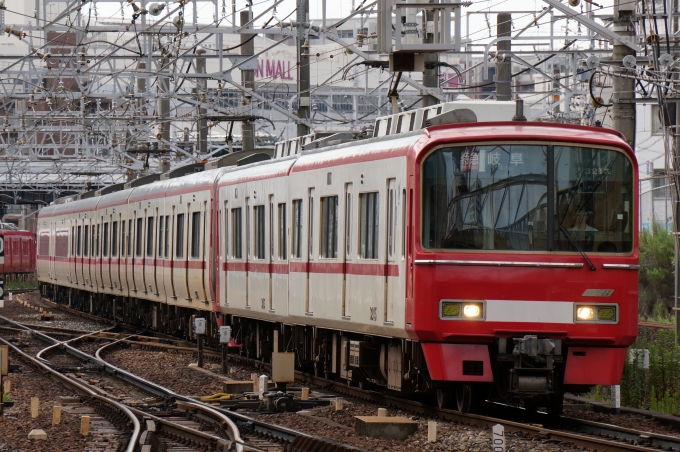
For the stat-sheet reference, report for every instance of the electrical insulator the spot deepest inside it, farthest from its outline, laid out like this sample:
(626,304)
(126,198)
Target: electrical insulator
(2,4)
(574,2)
(178,21)
(18,33)
(156,8)
(136,8)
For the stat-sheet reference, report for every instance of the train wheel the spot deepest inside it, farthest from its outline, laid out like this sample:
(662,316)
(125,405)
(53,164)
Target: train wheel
(464,397)
(445,398)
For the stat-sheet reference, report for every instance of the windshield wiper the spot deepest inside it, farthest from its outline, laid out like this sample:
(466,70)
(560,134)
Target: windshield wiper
(578,248)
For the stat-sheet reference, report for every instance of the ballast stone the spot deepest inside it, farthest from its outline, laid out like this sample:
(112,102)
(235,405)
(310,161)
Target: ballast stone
(37,434)
(396,428)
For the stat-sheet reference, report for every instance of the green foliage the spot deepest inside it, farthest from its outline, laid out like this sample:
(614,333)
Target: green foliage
(30,282)
(655,388)
(5,398)
(657,266)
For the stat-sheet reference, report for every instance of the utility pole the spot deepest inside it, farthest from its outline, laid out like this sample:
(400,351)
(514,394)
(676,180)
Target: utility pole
(304,97)
(247,80)
(623,88)
(503,64)
(431,72)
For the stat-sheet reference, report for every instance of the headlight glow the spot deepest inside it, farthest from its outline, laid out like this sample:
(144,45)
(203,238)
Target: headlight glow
(585,313)
(472,310)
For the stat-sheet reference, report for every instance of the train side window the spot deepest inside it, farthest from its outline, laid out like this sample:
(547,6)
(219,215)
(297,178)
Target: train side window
(105,252)
(167,237)
(79,236)
(283,242)
(179,237)
(114,239)
(149,236)
(122,238)
(329,227)
(160,236)
(86,240)
(44,244)
(139,237)
(196,234)
(368,225)
(259,223)
(297,228)
(236,234)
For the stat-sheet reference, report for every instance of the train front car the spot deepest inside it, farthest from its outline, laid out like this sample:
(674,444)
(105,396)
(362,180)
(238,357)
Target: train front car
(523,277)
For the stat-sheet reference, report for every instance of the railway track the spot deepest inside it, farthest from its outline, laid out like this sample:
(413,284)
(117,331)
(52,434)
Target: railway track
(172,421)
(585,434)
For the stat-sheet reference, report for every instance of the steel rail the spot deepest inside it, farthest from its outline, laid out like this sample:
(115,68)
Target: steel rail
(85,391)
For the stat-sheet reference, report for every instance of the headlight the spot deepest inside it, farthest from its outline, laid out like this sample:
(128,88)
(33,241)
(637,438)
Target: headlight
(585,313)
(472,310)
(461,310)
(596,313)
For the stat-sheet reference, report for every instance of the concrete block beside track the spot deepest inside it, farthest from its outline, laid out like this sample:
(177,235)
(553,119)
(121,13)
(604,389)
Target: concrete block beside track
(396,428)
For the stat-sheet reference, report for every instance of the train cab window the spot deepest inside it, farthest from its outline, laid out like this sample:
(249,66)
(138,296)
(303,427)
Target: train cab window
(329,227)
(160,236)
(236,233)
(114,239)
(283,252)
(368,225)
(78,239)
(149,236)
(139,236)
(167,236)
(105,252)
(179,237)
(297,228)
(196,234)
(259,224)
(86,240)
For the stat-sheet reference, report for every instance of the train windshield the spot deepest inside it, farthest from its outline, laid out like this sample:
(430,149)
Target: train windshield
(526,197)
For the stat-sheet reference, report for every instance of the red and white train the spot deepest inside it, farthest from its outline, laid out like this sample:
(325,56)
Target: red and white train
(18,251)
(471,260)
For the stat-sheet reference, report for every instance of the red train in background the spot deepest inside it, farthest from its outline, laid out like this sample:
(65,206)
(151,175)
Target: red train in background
(18,247)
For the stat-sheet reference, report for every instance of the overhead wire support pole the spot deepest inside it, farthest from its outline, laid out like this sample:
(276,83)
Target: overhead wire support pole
(303,85)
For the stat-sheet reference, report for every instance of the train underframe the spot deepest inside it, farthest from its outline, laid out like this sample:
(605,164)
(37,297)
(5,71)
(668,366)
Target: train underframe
(527,370)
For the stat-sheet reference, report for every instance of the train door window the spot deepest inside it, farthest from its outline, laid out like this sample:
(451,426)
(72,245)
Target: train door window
(259,223)
(271,228)
(161,231)
(149,236)
(79,236)
(139,236)
(310,226)
(391,220)
(329,227)
(105,252)
(196,234)
(86,240)
(283,252)
(348,221)
(368,225)
(179,238)
(114,239)
(403,223)
(167,237)
(129,239)
(226,230)
(236,234)
(97,242)
(73,241)
(122,238)
(297,228)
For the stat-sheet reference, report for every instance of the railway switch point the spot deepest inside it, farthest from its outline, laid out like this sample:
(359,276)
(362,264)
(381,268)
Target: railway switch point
(394,428)
(56,415)
(37,434)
